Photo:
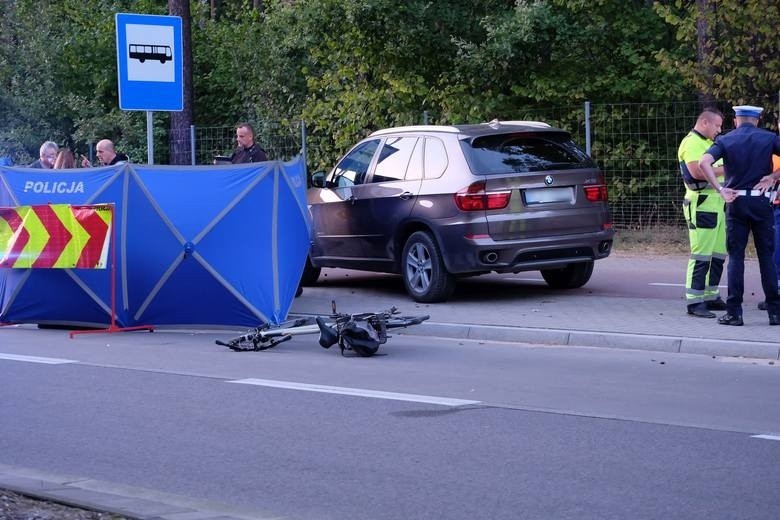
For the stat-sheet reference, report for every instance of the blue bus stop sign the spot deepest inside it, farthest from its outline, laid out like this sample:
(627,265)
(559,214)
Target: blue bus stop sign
(149,62)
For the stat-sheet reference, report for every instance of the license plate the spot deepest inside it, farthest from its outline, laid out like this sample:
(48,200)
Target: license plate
(545,195)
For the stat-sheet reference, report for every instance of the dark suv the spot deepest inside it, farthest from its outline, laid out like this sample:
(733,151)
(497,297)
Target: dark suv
(437,202)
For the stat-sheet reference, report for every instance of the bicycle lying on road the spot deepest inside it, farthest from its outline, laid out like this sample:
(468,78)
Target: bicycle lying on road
(361,333)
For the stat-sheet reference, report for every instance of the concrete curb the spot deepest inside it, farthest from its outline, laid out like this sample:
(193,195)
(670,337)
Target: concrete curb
(547,336)
(132,502)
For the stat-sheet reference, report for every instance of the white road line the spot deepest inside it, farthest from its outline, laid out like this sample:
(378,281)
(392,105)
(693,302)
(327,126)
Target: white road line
(359,392)
(34,359)
(767,437)
(662,284)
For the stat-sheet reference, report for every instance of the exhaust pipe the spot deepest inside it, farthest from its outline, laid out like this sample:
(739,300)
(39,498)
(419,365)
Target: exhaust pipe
(489,257)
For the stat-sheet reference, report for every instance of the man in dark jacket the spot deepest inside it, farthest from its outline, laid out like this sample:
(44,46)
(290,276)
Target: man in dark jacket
(106,154)
(747,156)
(248,150)
(47,155)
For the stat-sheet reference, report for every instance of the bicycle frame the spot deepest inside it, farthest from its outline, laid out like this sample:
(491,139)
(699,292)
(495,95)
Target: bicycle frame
(361,333)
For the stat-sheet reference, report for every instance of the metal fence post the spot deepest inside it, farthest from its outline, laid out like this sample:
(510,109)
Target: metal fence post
(303,147)
(587,127)
(192,144)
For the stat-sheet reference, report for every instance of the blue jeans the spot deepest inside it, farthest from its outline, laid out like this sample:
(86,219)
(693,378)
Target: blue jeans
(776,256)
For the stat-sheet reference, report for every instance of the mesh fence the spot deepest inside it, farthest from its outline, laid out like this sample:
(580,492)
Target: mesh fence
(281,142)
(636,146)
(634,143)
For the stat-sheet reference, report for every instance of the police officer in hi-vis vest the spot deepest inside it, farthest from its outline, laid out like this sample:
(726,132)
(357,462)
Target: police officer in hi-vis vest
(704,212)
(747,156)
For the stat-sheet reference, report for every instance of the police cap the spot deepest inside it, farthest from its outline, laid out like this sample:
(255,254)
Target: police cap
(747,111)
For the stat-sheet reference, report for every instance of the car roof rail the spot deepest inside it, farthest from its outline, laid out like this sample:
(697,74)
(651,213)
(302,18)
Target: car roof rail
(538,124)
(450,129)
(417,128)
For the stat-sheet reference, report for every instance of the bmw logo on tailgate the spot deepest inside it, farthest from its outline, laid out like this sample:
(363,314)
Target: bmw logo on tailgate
(548,180)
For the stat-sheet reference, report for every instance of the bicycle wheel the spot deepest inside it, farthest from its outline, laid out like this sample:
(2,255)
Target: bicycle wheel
(405,321)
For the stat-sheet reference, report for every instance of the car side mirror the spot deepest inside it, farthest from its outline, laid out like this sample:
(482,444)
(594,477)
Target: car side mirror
(318,179)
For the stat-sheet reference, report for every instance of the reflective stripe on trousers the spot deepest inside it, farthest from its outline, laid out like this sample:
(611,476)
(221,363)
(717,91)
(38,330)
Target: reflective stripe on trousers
(704,212)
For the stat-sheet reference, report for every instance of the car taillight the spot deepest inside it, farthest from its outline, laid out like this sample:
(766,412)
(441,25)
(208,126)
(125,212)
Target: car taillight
(596,193)
(475,198)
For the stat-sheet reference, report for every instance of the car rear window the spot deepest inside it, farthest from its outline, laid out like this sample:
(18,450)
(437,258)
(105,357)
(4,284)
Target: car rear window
(517,153)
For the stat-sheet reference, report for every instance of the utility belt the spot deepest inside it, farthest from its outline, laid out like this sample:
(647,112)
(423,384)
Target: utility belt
(698,185)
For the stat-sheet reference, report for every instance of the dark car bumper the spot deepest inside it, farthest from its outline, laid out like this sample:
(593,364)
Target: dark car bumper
(480,254)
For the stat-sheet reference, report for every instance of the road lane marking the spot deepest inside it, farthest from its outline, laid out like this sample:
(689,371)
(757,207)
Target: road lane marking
(34,359)
(662,284)
(767,437)
(359,392)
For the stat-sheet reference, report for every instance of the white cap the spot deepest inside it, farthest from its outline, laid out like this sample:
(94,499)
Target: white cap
(748,111)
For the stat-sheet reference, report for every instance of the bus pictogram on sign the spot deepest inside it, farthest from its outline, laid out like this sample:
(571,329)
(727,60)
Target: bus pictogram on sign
(142,52)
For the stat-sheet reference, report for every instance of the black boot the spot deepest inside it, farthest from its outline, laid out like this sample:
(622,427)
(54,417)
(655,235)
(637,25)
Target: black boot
(700,310)
(728,319)
(716,305)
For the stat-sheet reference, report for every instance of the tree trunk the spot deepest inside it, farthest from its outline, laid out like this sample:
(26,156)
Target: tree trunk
(704,18)
(180,146)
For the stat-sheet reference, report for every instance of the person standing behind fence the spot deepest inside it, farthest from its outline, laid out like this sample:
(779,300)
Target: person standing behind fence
(705,214)
(65,159)
(248,150)
(107,155)
(747,155)
(47,155)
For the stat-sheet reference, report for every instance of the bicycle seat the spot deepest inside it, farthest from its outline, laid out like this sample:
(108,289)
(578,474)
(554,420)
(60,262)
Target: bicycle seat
(328,335)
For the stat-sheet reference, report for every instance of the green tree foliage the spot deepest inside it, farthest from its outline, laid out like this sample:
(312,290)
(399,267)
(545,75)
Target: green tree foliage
(348,67)
(373,63)
(58,71)
(559,52)
(727,49)
(227,59)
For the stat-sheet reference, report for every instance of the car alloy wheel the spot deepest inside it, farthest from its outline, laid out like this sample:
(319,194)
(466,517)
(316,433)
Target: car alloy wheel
(425,276)
(418,268)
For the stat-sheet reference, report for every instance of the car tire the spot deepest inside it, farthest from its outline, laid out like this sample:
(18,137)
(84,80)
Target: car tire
(570,277)
(425,277)
(310,273)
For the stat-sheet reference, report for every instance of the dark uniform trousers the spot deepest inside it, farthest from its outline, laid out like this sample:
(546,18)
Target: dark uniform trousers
(750,214)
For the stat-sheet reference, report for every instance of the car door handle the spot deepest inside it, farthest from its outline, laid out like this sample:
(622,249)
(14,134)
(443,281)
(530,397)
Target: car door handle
(406,195)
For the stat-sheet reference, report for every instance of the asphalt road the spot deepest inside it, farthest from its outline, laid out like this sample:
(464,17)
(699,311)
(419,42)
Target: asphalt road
(547,432)
(654,276)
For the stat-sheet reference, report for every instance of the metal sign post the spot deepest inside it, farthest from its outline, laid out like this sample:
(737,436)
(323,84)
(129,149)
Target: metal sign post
(149,138)
(149,66)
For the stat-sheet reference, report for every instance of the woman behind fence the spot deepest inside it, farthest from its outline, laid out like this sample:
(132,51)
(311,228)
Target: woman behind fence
(65,159)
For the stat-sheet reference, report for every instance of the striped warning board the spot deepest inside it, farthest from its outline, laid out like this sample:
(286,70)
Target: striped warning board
(55,236)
